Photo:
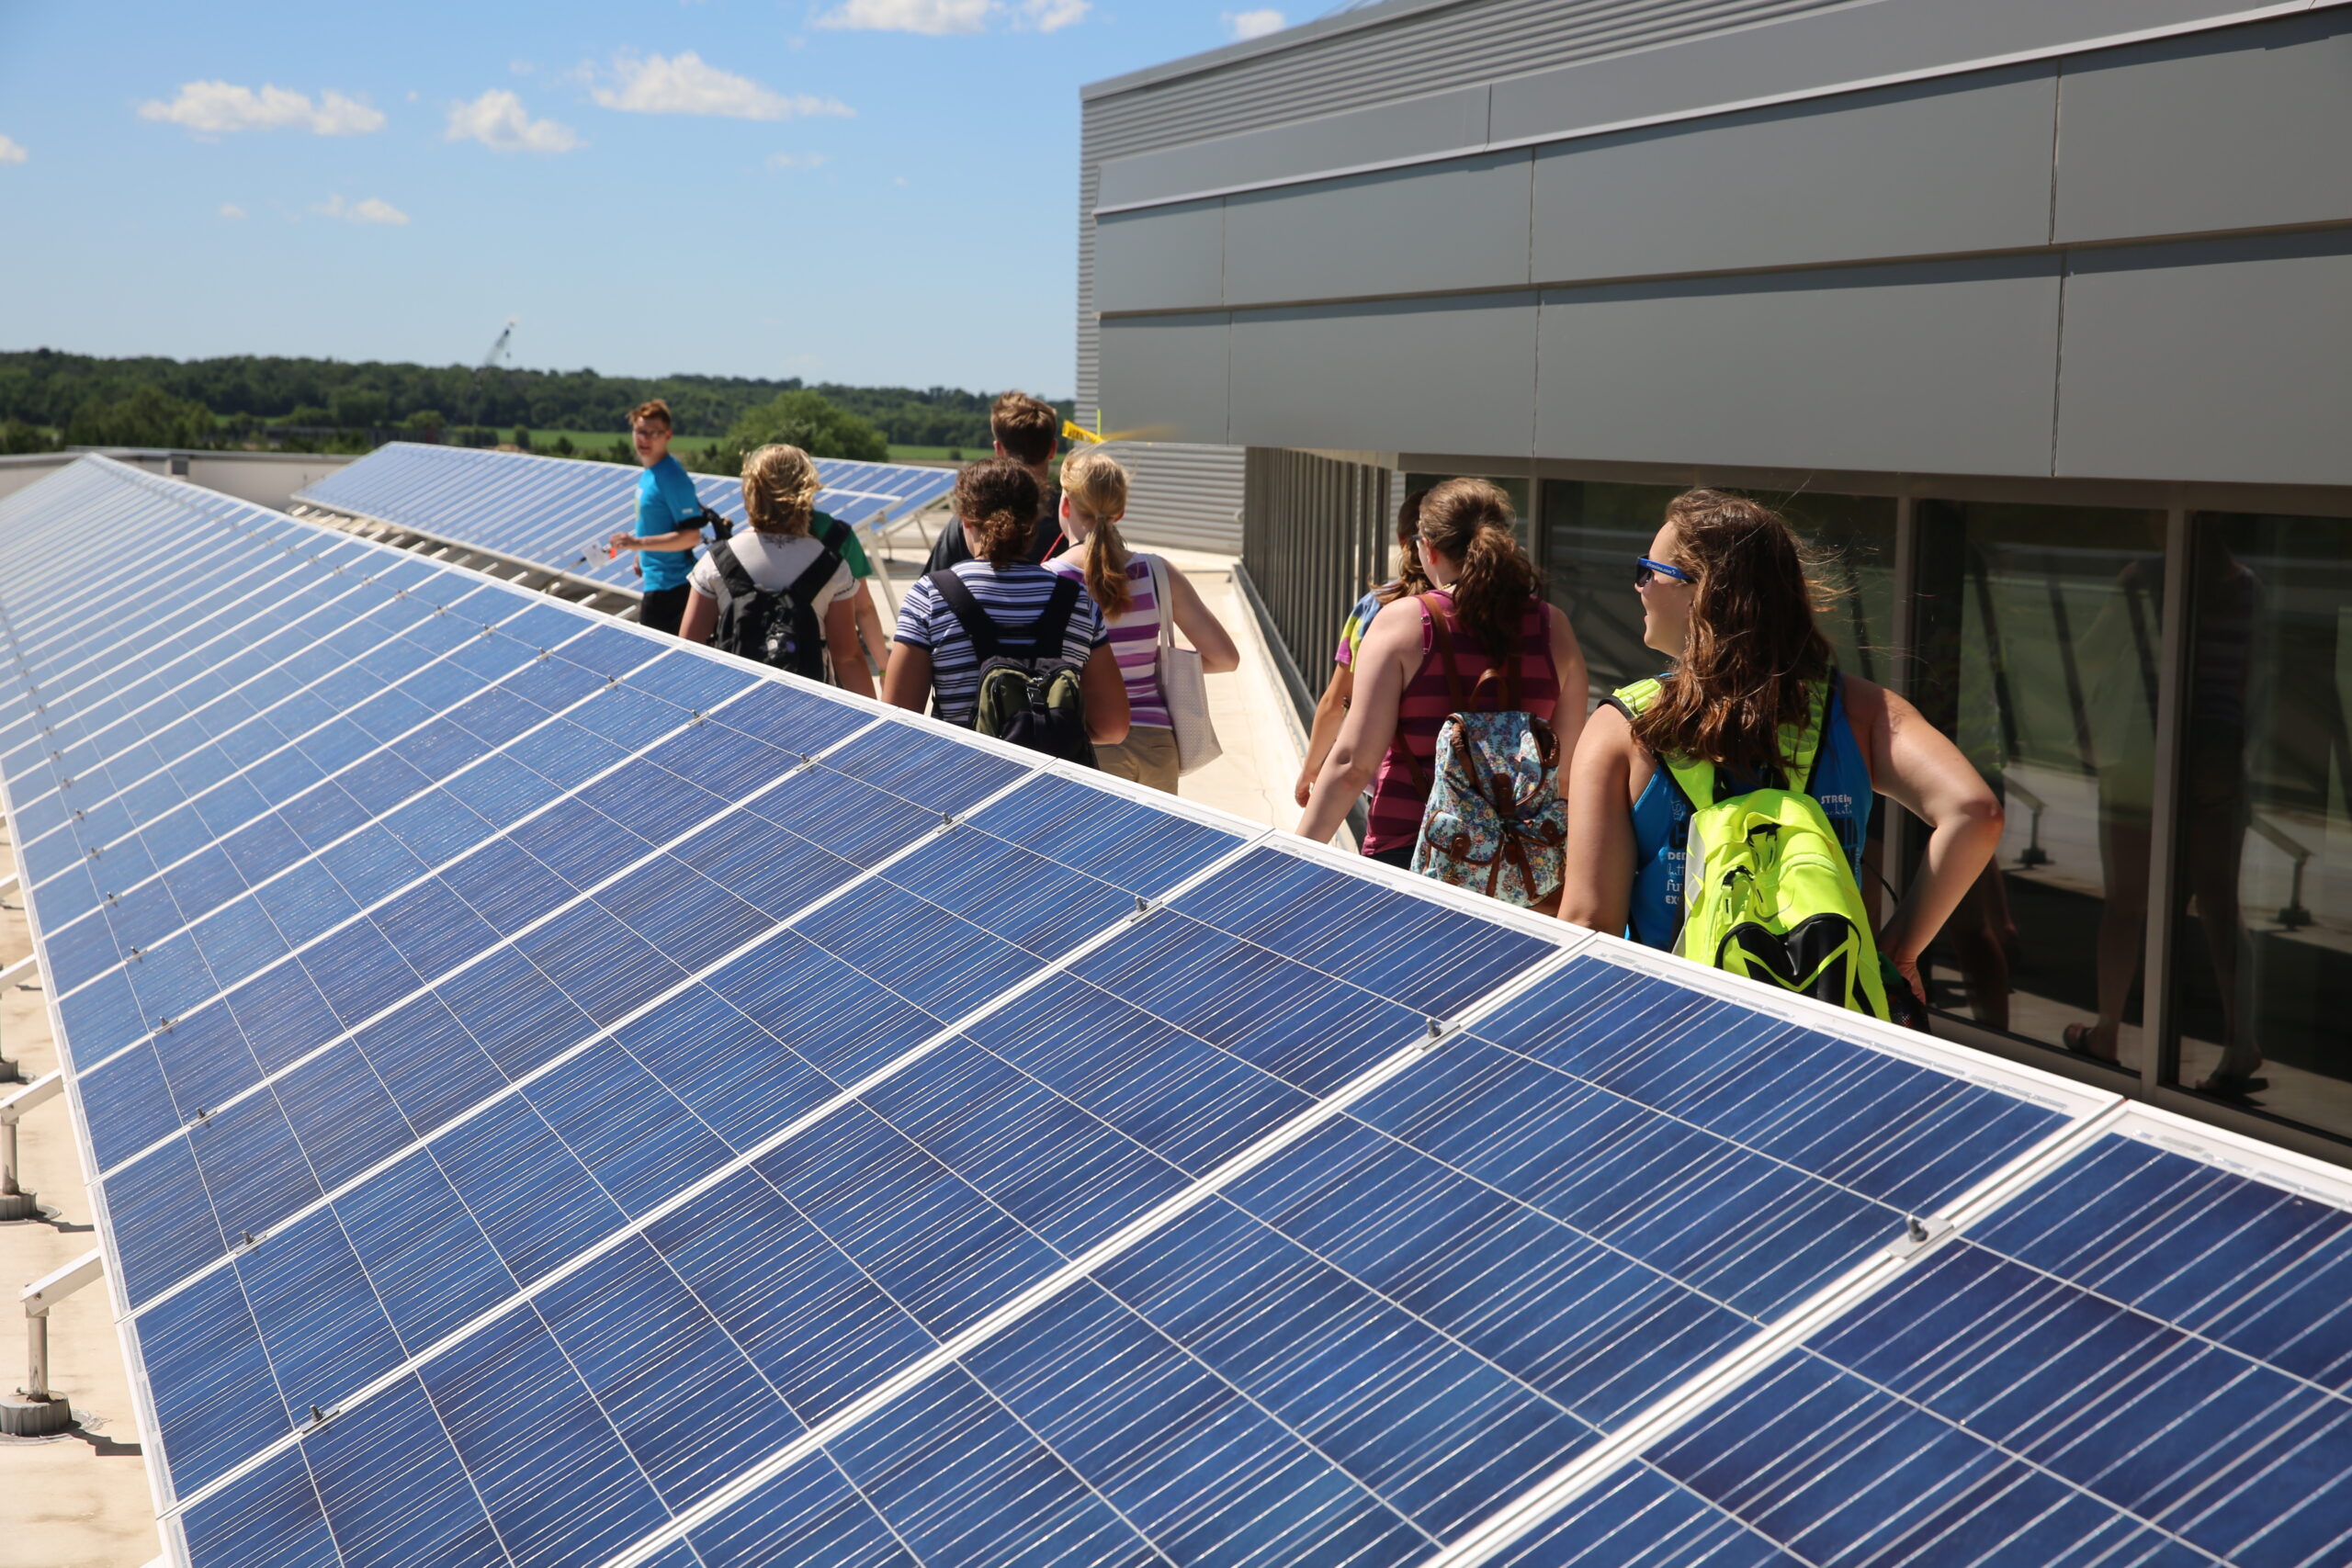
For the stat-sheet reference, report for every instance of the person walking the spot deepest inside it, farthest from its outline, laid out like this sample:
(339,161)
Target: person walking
(1026,430)
(1727,599)
(1122,583)
(778,555)
(933,659)
(1485,603)
(1409,582)
(669,520)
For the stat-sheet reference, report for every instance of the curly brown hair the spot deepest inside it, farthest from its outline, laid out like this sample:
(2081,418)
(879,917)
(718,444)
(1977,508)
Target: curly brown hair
(1753,649)
(997,499)
(1470,521)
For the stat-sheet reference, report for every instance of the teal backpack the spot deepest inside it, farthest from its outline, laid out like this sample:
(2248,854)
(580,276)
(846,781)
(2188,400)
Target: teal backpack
(1767,892)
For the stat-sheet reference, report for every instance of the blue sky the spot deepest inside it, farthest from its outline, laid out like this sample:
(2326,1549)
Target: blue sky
(867,191)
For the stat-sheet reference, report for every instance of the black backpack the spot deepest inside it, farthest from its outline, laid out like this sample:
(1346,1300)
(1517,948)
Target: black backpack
(776,628)
(1034,699)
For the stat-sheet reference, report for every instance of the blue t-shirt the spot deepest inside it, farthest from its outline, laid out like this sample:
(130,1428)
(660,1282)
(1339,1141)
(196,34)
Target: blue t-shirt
(666,501)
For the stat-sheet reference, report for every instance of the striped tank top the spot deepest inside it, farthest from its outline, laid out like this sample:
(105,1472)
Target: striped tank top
(1400,792)
(1134,640)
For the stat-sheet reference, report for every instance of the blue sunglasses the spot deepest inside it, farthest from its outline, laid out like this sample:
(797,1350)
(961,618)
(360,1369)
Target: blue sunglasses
(1645,569)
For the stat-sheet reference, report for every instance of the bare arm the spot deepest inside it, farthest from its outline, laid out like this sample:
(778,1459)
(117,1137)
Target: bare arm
(906,683)
(1914,764)
(701,618)
(840,638)
(1597,890)
(1106,696)
(1201,627)
(1390,657)
(1328,714)
(869,626)
(677,539)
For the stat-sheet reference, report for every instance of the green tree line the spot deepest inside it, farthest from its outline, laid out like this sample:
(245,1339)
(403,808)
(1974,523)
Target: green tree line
(45,389)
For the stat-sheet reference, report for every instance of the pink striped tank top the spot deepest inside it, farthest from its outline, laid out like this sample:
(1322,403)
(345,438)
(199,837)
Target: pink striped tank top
(1134,640)
(1400,790)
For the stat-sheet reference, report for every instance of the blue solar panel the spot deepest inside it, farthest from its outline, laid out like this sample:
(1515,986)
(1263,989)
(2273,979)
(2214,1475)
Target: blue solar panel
(557,512)
(557,1096)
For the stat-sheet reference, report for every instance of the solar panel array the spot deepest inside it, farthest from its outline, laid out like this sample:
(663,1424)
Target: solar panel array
(558,513)
(560,1097)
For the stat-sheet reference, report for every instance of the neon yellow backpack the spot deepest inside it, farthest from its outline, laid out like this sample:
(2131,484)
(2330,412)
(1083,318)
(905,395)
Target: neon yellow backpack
(1767,890)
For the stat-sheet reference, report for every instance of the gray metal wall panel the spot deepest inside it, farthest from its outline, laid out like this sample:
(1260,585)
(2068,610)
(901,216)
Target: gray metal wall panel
(1373,58)
(1169,371)
(2245,128)
(1170,258)
(1939,367)
(2221,360)
(1449,375)
(1808,53)
(1411,128)
(1913,171)
(1447,227)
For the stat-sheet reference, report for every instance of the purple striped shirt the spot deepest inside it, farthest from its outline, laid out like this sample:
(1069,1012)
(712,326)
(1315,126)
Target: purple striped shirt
(1134,640)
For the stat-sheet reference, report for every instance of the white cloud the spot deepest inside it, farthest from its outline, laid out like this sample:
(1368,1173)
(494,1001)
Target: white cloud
(685,85)
(797,160)
(375,209)
(12,150)
(1253,24)
(1053,16)
(231,210)
(496,121)
(941,18)
(216,107)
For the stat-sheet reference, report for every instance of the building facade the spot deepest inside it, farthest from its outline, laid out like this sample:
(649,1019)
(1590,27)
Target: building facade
(2035,314)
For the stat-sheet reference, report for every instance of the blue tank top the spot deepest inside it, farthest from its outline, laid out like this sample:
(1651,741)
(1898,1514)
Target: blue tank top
(1841,782)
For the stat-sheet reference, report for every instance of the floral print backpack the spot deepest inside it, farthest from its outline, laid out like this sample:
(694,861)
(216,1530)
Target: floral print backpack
(1495,822)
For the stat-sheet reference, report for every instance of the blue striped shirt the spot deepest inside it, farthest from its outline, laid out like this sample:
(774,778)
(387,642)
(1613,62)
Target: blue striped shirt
(1013,596)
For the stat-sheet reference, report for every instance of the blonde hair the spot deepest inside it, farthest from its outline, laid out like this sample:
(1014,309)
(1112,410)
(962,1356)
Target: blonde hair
(780,487)
(1097,485)
(655,413)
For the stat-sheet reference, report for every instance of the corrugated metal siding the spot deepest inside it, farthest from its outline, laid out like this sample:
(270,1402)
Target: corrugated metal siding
(1182,496)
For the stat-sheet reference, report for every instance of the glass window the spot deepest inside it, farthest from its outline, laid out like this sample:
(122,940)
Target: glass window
(1593,533)
(2038,631)
(2264,868)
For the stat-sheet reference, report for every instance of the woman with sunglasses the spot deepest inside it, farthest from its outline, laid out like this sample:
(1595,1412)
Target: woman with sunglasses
(1725,598)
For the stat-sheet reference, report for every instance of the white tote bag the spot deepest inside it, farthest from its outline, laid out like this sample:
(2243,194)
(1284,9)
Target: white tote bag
(1181,685)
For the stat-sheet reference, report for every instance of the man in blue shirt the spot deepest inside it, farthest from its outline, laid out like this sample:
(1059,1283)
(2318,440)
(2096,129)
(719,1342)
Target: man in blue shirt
(669,520)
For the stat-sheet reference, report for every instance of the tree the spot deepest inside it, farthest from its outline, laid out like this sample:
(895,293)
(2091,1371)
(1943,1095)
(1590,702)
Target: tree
(16,436)
(423,426)
(148,417)
(802,419)
(359,408)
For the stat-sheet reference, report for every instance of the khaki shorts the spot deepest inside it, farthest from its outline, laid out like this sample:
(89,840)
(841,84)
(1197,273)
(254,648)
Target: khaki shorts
(1147,756)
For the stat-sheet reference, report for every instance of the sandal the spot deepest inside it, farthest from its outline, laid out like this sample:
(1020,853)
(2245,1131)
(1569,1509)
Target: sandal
(2223,1085)
(2077,1039)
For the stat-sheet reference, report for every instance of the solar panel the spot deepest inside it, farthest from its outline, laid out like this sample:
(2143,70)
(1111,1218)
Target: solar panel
(557,512)
(558,1096)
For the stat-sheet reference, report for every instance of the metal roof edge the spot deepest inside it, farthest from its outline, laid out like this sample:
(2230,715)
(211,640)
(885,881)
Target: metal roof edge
(1251,49)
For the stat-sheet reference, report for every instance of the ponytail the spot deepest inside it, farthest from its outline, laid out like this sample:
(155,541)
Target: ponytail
(1470,520)
(1096,484)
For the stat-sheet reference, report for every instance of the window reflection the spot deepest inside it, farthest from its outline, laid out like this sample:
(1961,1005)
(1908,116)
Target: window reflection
(1593,533)
(2039,631)
(2260,991)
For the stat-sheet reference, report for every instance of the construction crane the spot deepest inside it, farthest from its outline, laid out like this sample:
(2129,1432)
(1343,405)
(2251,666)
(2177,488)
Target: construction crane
(497,352)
